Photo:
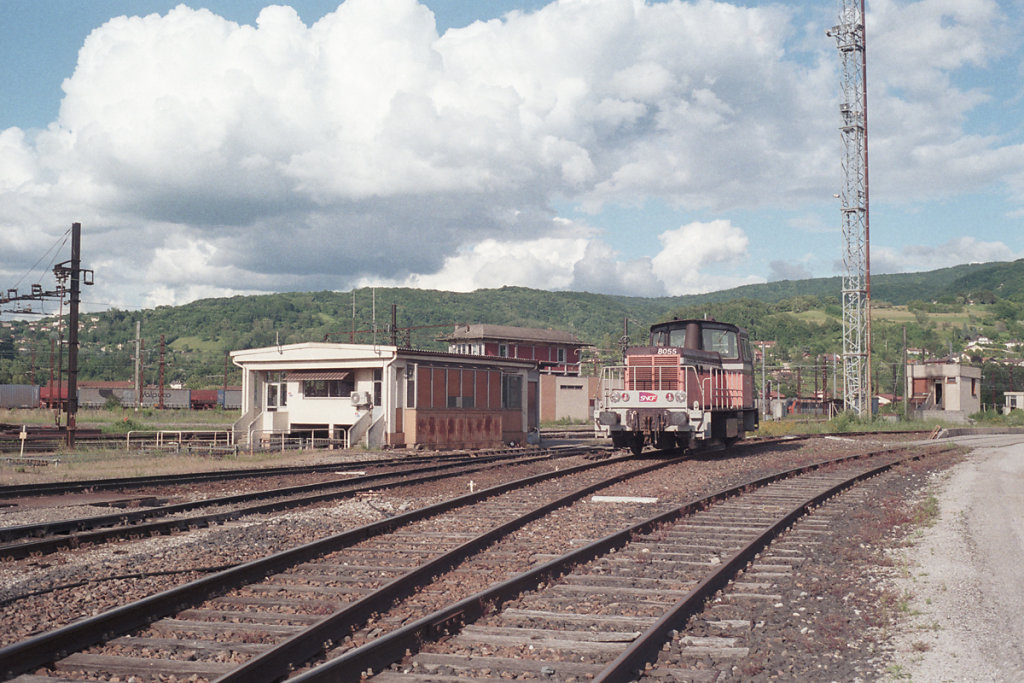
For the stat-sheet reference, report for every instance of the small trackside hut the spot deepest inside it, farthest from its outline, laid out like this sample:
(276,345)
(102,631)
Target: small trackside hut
(382,396)
(693,383)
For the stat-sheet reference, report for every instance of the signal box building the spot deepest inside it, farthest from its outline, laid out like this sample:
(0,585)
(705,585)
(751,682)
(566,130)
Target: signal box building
(563,392)
(944,390)
(384,396)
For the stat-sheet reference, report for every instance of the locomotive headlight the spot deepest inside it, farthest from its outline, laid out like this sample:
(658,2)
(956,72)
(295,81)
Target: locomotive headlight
(615,397)
(681,397)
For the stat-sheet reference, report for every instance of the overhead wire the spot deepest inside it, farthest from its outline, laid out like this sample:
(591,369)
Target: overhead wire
(55,248)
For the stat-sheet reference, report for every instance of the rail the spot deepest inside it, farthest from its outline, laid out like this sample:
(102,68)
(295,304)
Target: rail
(18,542)
(377,655)
(23,656)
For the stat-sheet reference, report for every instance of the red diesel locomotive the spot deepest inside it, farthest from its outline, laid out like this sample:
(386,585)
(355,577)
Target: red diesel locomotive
(693,384)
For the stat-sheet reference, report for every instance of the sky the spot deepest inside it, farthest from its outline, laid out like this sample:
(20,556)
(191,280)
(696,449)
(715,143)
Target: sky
(640,147)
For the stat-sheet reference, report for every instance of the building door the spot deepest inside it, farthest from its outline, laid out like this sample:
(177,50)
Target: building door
(938,395)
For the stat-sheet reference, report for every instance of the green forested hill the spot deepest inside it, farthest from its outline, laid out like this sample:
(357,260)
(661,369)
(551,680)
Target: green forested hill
(1004,279)
(940,310)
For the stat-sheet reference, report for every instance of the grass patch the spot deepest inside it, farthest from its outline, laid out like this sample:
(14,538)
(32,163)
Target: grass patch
(897,672)
(565,422)
(844,423)
(196,344)
(147,418)
(926,512)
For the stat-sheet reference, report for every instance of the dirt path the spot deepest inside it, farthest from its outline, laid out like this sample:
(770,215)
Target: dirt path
(966,574)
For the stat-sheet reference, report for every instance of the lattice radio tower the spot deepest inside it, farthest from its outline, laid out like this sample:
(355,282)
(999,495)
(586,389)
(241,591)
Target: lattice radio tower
(853,107)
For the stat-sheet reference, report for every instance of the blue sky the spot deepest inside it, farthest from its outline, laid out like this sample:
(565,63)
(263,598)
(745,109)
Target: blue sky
(621,146)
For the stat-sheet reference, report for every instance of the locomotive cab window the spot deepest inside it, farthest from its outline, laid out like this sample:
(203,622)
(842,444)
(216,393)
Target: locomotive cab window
(745,349)
(666,337)
(723,342)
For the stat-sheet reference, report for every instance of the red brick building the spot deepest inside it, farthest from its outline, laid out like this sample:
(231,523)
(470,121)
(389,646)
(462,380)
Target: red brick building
(556,352)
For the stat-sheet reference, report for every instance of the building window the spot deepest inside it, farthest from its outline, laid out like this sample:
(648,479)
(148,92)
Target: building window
(327,388)
(511,392)
(277,390)
(466,402)
(410,386)
(378,385)
(974,387)
(561,356)
(503,350)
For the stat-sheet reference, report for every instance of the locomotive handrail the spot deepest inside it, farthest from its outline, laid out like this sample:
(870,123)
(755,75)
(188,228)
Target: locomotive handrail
(713,385)
(722,394)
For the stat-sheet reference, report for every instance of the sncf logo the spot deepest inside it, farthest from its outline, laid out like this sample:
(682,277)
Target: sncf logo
(648,397)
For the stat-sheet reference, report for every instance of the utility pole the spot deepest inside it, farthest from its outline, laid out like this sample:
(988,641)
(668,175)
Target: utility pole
(394,324)
(162,349)
(907,383)
(764,385)
(64,271)
(138,365)
(853,107)
(52,385)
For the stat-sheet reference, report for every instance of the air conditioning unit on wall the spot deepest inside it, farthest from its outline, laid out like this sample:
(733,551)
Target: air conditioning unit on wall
(361,398)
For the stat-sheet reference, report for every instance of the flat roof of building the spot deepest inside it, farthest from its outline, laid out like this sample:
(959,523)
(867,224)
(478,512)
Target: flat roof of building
(510,333)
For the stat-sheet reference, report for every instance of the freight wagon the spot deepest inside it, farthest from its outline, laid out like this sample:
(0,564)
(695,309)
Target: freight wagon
(91,397)
(28,396)
(19,396)
(231,399)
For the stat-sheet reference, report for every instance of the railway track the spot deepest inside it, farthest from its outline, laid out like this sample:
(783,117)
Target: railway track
(17,491)
(377,596)
(606,610)
(507,503)
(21,541)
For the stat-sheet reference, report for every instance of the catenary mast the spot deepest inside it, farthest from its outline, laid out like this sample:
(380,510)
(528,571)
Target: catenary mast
(853,108)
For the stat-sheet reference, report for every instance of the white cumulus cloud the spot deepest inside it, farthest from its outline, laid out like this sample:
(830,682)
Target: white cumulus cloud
(918,257)
(204,156)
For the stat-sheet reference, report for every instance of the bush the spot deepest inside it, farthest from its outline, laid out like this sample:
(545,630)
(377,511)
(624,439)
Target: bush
(123,427)
(847,421)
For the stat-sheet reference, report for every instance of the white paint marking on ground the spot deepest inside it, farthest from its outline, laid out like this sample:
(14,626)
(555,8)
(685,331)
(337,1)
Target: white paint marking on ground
(624,499)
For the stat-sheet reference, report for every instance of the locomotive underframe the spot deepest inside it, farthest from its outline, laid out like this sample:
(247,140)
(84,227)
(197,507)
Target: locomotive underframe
(682,429)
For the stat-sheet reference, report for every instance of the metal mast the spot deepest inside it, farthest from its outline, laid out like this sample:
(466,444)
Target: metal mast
(853,108)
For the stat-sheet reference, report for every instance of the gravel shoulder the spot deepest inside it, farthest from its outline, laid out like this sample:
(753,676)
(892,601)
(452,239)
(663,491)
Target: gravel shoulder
(965,616)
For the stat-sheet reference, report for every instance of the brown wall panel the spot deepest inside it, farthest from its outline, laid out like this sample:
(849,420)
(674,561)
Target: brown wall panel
(440,398)
(481,390)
